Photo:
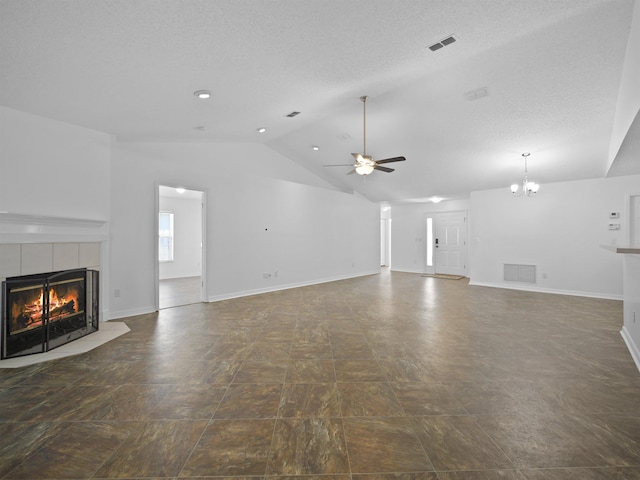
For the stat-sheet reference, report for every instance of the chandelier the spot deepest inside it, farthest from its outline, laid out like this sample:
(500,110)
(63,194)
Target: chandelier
(528,188)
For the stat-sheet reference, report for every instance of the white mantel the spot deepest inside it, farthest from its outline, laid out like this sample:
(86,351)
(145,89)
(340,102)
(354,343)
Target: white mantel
(29,219)
(29,228)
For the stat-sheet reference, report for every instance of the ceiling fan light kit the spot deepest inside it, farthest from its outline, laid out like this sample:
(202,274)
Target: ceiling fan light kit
(529,188)
(364,169)
(365,164)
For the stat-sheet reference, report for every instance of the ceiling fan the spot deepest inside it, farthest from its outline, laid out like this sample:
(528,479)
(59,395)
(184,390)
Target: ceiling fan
(365,164)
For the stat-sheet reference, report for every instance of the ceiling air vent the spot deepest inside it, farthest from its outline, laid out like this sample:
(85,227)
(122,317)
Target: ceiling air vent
(448,40)
(292,114)
(476,94)
(443,43)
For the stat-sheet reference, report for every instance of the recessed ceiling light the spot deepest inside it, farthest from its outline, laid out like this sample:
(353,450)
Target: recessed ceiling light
(315,148)
(180,190)
(436,199)
(261,130)
(204,94)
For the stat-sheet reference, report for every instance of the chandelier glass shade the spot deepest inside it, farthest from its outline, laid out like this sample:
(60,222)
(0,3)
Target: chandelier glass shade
(529,188)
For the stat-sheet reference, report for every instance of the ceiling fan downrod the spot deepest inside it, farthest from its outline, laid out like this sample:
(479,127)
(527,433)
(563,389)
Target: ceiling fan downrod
(363,99)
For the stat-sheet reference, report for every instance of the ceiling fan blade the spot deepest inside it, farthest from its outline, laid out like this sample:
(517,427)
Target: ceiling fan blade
(352,172)
(383,169)
(340,165)
(389,160)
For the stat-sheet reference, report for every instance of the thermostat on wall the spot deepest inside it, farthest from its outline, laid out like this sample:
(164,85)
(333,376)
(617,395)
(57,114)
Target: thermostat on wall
(614,215)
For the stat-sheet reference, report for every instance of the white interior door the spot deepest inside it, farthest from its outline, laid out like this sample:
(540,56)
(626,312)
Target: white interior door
(450,247)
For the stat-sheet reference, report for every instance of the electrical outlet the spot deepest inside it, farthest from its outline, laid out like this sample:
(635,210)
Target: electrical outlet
(266,275)
(116,293)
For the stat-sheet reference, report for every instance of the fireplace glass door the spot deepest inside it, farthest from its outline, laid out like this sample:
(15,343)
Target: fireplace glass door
(42,312)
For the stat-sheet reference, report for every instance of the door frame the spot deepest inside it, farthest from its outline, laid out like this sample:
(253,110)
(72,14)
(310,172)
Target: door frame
(630,209)
(203,212)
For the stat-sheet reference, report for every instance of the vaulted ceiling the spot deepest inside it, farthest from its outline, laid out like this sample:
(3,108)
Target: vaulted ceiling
(548,73)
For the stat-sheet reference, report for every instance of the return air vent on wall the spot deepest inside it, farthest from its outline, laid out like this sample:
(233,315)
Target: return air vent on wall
(519,273)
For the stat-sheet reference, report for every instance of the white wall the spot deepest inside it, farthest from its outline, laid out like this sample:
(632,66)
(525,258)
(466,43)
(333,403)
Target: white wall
(408,233)
(631,329)
(187,236)
(306,233)
(563,231)
(53,168)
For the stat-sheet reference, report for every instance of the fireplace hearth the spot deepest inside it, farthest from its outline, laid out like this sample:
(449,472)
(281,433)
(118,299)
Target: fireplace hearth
(44,311)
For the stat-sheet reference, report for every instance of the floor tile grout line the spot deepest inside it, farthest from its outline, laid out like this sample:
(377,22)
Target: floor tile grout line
(495,443)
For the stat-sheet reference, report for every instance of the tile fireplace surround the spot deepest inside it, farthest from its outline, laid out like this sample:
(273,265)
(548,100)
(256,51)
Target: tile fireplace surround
(35,244)
(18,259)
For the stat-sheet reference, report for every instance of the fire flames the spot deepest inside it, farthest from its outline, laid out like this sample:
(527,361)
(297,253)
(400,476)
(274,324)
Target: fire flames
(29,315)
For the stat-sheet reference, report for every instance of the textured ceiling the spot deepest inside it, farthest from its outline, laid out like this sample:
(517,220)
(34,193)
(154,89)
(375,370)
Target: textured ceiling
(552,69)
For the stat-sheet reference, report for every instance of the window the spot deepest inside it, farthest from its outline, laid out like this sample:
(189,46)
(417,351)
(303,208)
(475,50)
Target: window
(165,237)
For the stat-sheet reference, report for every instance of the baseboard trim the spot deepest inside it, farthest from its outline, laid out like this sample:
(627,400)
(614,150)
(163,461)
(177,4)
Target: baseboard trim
(633,348)
(131,313)
(402,270)
(288,286)
(527,288)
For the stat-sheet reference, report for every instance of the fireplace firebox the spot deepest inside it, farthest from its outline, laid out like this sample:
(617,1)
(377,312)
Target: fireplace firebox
(44,311)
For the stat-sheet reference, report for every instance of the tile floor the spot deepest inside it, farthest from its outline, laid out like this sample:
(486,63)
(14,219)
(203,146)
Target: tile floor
(386,377)
(175,292)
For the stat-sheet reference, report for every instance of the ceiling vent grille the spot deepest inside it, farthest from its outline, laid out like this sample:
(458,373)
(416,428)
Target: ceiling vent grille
(292,114)
(476,94)
(443,43)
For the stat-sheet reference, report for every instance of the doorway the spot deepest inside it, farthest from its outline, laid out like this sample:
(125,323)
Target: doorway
(180,247)
(385,237)
(446,245)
